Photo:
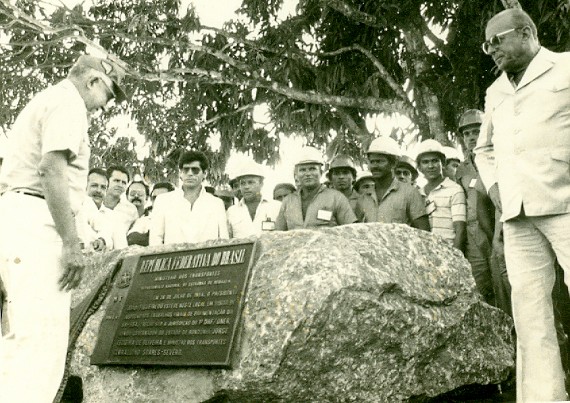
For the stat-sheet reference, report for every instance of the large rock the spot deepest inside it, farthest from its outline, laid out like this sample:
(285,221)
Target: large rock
(355,313)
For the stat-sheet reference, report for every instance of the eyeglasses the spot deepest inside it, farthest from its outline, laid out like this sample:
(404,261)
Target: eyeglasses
(195,170)
(496,40)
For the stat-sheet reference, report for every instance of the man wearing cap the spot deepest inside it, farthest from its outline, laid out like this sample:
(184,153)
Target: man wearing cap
(45,172)
(393,201)
(406,171)
(445,198)
(341,174)
(192,215)
(313,205)
(453,159)
(523,156)
(364,184)
(283,189)
(253,214)
(492,282)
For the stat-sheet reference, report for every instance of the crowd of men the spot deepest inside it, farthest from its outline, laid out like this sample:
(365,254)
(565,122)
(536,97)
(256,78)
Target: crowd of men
(504,203)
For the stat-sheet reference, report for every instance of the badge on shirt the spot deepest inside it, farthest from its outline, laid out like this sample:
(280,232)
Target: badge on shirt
(268,225)
(472,183)
(324,215)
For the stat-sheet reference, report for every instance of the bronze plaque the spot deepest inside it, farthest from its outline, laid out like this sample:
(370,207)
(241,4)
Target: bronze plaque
(178,308)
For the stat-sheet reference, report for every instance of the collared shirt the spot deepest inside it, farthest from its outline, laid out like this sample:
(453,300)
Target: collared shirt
(328,208)
(92,225)
(402,203)
(175,220)
(54,120)
(446,205)
(524,143)
(240,224)
(122,216)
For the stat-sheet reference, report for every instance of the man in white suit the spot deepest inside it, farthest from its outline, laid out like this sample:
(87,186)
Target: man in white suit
(524,150)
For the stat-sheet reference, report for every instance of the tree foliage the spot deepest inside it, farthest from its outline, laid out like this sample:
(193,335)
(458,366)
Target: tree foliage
(320,72)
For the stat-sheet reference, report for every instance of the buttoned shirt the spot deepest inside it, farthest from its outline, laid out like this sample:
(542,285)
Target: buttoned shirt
(524,143)
(54,120)
(92,224)
(328,208)
(175,220)
(445,205)
(402,203)
(240,224)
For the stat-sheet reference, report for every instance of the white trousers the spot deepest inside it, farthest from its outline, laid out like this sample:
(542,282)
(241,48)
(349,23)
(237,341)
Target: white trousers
(531,246)
(34,347)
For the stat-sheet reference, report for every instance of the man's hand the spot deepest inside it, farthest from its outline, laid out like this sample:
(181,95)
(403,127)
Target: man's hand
(73,265)
(495,197)
(98,245)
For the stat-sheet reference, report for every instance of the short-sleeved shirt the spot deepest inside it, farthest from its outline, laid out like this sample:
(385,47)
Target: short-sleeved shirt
(328,208)
(402,203)
(54,120)
(240,224)
(446,205)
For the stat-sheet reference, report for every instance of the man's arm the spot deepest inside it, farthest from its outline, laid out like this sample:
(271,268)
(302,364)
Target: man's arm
(460,228)
(344,213)
(53,170)
(485,157)
(281,222)
(417,212)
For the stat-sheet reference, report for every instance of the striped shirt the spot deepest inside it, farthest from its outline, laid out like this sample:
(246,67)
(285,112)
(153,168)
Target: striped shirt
(445,205)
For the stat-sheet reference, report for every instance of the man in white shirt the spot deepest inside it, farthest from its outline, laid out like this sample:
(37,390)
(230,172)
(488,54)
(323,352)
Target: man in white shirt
(254,213)
(190,215)
(94,230)
(121,212)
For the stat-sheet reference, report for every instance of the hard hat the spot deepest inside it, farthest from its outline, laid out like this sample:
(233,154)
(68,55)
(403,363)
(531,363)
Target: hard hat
(249,168)
(470,117)
(452,154)
(341,161)
(309,155)
(360,177)
(384,145)
(430,146)
(409,163)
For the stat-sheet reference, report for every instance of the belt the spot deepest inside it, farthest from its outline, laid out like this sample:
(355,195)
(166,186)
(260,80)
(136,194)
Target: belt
(30,194)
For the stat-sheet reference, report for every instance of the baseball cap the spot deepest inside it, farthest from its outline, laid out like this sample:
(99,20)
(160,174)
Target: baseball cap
(108,68)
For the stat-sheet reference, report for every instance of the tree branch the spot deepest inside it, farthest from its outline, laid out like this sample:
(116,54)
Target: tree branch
(352,13)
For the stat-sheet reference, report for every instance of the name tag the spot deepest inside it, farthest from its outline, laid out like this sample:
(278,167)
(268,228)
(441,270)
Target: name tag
(472,183)
(268,225)
(324,215)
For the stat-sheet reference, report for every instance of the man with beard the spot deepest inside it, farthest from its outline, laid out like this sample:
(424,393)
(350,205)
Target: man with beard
(137,194)
(190,215)
(342,174)
(313,205)
(522,155)
(124,213)
(393,201)
(445,198)
(253,214)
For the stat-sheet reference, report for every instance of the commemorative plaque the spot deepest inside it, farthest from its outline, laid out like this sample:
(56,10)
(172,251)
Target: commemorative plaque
(180,308)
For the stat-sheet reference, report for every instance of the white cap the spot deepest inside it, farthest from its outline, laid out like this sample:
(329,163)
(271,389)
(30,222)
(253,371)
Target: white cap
(309,155)
(249,168)
(429,146)
(452,154)
(384,145)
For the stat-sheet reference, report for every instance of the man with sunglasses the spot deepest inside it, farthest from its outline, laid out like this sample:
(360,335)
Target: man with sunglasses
(524,151)
(190,215)
(45,174)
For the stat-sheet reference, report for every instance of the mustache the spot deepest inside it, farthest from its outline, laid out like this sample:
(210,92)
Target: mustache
(97,194)
(136,199)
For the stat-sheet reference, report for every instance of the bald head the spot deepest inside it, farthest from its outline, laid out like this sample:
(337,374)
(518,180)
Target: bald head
(511,40)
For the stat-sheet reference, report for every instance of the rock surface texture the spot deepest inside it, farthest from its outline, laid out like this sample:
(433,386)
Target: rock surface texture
(364,312)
